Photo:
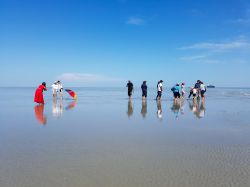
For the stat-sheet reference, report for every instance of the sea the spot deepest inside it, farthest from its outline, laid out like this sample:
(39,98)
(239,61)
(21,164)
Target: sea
(105,139)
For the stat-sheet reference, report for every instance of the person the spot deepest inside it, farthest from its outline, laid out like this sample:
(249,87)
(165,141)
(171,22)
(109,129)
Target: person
(203,90)
(190,92)
(195,93)
(183,89)
(60,88)
(176,91)
(144,89)
(159,90)
(38,98)
(54,89)
(197,87)
(130,89)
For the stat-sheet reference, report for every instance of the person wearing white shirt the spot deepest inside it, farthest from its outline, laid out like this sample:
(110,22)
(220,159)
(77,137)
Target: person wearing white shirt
(54,89)
(159,90)
(60,88)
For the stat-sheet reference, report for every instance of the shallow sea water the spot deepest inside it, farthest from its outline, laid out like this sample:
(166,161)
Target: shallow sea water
(103,139)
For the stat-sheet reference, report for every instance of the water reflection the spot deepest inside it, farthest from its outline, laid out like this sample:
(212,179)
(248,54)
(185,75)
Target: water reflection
(144,108)
(39,113)
(178,107)
(71,105)
(130,108)
(57,108)
(159,110)
(197,107)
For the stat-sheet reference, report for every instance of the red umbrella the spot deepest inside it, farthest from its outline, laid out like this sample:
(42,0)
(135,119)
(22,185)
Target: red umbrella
(71,93)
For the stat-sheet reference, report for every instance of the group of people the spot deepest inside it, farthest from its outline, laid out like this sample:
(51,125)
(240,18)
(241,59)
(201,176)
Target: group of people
(56,87)
(197,91)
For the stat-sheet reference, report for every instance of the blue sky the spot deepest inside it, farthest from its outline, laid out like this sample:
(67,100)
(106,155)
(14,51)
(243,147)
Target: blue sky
(107,42)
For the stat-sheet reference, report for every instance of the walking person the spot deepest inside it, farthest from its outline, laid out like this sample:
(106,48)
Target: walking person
(38,98)
(203,89)
(159,90)
(144,89)
(130,88)
(183,89)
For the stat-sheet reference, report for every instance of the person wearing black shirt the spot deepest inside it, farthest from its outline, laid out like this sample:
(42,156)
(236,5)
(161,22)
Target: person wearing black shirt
(144,88)
(130,88)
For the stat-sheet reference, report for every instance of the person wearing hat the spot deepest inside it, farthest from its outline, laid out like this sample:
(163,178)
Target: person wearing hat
(144,88)
(38,98)
(159,90)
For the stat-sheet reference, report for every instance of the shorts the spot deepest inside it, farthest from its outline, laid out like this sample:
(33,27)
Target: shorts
(144,93)
(177,95)
(129,92)
(159,94)
(203,93)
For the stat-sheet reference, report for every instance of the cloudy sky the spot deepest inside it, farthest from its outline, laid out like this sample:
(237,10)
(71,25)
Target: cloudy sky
(107,42)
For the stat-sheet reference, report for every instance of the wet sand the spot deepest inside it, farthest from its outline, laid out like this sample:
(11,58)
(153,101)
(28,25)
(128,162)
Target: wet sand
(104,139)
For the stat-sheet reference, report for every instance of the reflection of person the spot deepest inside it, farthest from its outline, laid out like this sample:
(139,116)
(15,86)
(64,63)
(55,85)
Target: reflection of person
(57,109)
(144,108)
(130,108)
(176,108)
(144,90)
(39,114)
(198,108)
(39,93)
(130,88)
(71,105)
(159,90)
(159,110)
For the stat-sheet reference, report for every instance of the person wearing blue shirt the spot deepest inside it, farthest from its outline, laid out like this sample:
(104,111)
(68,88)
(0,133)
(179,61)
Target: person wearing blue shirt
(176,91)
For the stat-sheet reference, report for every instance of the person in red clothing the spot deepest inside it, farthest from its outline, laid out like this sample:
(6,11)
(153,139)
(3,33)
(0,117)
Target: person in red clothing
(39,93)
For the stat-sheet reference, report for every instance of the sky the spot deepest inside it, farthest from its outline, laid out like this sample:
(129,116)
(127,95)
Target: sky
(108,42)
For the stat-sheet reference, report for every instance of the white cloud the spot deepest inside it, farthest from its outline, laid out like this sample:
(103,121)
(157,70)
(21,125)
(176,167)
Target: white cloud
(245,21)
(135,21)
(191,58)
(219,46)
(199,59)
(85,78)
(241,21)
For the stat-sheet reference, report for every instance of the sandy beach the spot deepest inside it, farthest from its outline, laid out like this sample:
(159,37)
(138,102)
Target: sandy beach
(103,139)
